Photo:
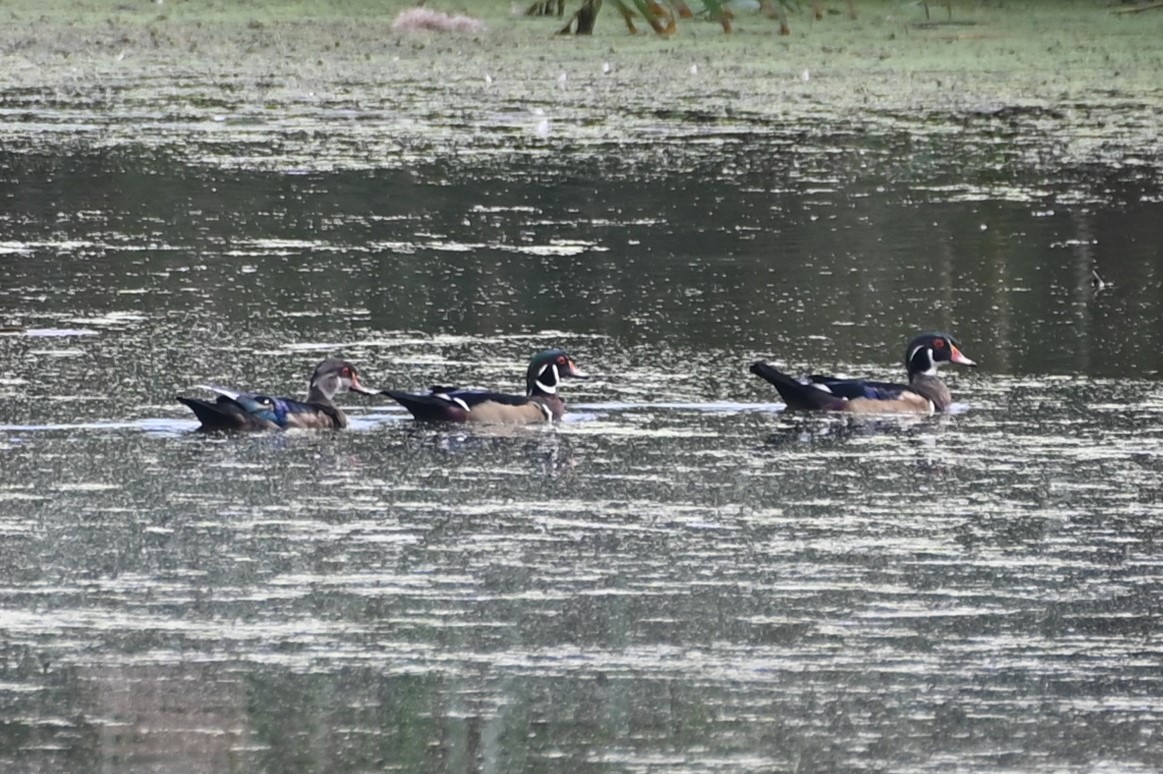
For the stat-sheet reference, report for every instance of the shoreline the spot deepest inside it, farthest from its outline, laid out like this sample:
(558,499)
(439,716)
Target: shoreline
(1072,76)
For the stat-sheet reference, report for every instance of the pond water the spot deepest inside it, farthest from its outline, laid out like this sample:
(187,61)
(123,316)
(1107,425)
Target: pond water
(679,576)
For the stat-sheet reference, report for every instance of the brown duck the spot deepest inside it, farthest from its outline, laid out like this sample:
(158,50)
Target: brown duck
(255,411)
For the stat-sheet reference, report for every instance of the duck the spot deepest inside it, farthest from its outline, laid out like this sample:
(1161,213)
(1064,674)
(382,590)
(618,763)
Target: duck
(233,410)
(925,393)
(540,403)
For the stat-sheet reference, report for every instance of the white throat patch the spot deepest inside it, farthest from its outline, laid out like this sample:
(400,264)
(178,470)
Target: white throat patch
(329,385)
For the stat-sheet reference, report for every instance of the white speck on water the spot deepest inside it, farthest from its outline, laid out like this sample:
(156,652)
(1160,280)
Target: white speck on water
(694,69)
(58,332)
(805,75)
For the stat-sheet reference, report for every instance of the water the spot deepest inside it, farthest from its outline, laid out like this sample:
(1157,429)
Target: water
(677,577)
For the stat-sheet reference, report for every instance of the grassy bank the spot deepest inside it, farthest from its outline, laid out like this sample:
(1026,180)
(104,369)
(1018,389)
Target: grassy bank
(1041,41)
(1071,69)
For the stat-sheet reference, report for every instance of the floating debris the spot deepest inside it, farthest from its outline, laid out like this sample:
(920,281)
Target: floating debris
(414,19)
(1097,282)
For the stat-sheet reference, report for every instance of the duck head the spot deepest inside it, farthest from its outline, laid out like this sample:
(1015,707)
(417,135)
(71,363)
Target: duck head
(929,350)
(547,369)
(332,377)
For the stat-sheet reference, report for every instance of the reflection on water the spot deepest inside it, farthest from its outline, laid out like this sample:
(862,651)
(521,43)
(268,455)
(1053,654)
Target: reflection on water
(679,576)
(740,264)
(718,590)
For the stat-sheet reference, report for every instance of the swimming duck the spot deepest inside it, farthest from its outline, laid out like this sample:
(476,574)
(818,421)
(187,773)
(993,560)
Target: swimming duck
(540,403)
(252,411)
(924,394)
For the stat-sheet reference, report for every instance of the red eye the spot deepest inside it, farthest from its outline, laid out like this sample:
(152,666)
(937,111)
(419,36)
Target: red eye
(347,372)
(938,343)
(561,361)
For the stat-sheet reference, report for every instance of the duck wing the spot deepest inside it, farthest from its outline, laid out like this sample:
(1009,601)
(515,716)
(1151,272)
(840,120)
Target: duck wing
(859,388)
(449,404)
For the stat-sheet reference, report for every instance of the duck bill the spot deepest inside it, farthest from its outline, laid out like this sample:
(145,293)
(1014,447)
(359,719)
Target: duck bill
(356,386)
(955,356)
(572,371)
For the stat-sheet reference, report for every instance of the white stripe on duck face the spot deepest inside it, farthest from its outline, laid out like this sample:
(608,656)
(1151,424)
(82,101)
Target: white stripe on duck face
(548,387)
(931,370)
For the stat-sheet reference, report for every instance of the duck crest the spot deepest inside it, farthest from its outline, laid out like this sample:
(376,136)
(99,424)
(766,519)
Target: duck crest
(546,371)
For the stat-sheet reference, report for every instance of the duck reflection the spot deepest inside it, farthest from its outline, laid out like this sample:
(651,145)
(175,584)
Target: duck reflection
(819,431)
(540,447)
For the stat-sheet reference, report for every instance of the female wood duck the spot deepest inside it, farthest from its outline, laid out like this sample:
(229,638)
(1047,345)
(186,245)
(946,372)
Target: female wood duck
(924,394)
(251,411)
(540,403)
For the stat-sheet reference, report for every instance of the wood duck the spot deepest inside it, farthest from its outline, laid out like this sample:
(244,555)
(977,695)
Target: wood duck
(540,403)
(252,411)
(924,394)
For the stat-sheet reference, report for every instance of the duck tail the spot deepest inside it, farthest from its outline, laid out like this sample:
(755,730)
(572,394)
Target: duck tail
(216,415)
(428,408)
(797,395)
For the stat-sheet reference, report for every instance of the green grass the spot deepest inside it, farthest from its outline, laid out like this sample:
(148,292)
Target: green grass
(1055,51)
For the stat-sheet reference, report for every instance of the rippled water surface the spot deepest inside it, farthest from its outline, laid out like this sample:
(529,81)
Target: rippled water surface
(679,576)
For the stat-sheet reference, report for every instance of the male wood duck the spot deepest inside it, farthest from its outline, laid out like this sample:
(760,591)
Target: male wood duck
(540,403)
(252,411)
(924,394)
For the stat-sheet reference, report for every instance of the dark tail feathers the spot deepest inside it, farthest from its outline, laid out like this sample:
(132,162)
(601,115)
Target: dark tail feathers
(216,415)
(798,396)
(428,408)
